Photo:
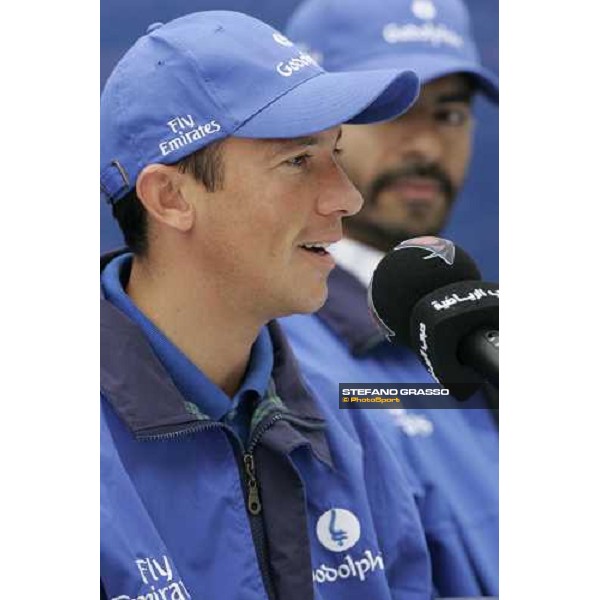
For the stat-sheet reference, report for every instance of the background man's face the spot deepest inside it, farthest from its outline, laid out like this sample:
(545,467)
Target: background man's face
(410,169)
(278,196)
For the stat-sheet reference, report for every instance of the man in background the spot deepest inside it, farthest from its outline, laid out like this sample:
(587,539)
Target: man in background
(409,171)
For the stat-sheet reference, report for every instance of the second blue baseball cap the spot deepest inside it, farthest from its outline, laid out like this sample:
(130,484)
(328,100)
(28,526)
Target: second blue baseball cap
(433,37)
(210,75)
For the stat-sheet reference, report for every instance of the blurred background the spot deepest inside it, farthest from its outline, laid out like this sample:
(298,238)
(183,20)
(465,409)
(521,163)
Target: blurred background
(474,223)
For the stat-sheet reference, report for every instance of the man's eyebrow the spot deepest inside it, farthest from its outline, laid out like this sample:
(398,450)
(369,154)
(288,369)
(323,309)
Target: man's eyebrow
(458,96)
(285,145)
(307,140)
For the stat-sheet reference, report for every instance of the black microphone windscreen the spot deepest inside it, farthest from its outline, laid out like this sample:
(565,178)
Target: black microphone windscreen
(427,294)
(412,270)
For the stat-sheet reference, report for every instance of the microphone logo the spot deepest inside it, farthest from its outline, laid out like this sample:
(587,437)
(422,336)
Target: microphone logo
(338,529)
(439,247)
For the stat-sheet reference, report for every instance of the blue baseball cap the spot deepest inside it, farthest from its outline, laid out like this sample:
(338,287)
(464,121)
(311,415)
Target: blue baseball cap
(433,37)
(210,75)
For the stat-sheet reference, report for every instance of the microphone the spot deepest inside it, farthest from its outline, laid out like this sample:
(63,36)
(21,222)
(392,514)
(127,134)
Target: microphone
(427,294)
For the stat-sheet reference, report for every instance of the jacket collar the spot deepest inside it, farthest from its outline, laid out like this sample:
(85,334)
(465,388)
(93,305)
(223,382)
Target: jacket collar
(346,313)
(142,393)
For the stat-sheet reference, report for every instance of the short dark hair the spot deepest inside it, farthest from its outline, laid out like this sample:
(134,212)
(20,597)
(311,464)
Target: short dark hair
(205,166)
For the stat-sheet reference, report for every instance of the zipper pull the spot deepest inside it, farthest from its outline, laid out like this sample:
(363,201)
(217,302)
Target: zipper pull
(254,505)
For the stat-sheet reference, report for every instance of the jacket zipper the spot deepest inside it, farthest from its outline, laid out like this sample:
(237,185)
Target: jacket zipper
(254,505)
(247,469)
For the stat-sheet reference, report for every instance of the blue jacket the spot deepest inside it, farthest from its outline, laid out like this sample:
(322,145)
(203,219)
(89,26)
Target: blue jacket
(453,453)
(299,512)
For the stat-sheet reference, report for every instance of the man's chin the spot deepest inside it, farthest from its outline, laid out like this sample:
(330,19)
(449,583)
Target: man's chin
(312,305)
(305,304)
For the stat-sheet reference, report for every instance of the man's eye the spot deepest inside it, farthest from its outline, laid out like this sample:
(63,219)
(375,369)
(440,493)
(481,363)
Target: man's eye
(454,117)
(338,151)
(298,161)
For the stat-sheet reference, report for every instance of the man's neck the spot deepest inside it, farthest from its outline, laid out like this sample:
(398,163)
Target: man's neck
(211,333)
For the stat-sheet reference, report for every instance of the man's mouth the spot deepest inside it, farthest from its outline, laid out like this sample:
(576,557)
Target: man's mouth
(416,183)
(319,248)
(417,189)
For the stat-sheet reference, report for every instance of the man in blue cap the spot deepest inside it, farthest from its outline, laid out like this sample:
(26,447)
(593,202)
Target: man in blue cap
(222,475)
(409,171)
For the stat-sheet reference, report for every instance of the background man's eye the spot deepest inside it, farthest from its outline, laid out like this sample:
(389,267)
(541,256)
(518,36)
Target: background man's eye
(453,117)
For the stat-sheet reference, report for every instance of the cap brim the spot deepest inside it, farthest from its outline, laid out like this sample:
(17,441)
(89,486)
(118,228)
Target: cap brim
(331,99)
(432,66)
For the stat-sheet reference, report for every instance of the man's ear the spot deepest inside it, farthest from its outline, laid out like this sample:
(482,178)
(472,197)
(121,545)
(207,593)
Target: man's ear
(159,189)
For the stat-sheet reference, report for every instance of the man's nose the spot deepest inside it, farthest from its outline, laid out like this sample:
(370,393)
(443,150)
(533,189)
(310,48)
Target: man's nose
(337,194)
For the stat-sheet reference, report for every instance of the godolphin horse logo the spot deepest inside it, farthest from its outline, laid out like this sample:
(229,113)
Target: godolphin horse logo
(339,536)
(438,247)
(338,529)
